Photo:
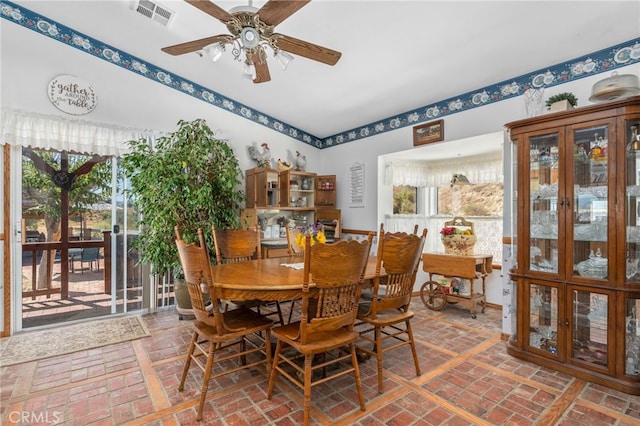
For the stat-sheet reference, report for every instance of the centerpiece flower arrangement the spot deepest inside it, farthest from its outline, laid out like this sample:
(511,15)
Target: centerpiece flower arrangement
(458,241)
(315,231)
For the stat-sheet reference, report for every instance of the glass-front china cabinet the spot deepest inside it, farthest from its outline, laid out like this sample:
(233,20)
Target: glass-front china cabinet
(578,242)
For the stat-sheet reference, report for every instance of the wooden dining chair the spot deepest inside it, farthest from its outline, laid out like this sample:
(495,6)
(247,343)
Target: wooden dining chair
(399,254)
(218,332)
(243,245)
(329,307)
(294,250)
(236,245)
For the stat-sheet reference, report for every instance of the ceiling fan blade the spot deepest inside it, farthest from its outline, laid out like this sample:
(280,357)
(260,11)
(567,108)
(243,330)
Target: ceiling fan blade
(195,45)
(262,69)
(275,11)
(306,49)
(211,9)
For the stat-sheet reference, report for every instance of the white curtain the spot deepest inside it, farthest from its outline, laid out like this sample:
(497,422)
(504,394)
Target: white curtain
(406,173)
(484,168)
(72,135)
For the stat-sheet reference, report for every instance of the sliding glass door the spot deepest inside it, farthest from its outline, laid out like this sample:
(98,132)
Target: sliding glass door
(76,233)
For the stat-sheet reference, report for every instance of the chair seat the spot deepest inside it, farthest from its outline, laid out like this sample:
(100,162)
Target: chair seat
(235,304)
(245,321)
(317,342)
(382,318)
(246,318)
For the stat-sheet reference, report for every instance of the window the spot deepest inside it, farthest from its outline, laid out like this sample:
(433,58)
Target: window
(404,199)
(481,199)
(457,178)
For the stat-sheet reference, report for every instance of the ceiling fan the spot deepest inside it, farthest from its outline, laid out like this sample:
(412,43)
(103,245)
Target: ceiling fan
(252,30)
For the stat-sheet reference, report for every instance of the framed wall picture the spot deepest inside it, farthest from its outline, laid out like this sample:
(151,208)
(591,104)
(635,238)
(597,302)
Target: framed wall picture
(428,132)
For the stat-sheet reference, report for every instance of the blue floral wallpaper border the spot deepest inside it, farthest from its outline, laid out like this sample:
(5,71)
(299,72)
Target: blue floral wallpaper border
(605,60)
(601,61)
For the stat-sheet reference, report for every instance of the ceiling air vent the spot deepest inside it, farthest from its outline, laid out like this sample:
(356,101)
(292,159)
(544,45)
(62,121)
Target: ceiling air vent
(154,11)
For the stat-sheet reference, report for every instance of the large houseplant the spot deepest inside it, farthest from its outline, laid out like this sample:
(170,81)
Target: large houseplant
(188,178)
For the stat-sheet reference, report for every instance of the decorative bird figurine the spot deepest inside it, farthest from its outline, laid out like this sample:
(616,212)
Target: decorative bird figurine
(263,158)
(301,161)
(283,165)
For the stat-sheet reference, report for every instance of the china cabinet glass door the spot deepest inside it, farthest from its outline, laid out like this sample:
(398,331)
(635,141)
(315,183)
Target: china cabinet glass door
(632,202)
(543,203)
(632,248)
(632,336)
(544,312)
(590,328)
(590,203)
(513,259)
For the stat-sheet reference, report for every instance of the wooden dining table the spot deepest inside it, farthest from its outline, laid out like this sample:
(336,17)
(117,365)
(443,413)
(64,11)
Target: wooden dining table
(267,279)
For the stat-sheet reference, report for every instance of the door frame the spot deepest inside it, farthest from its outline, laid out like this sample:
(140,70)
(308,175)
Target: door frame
(13,292)
(5,240)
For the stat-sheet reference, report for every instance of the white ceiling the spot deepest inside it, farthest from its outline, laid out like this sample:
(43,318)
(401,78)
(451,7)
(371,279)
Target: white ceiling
(396,55)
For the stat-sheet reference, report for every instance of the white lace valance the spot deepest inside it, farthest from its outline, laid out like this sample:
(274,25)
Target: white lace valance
(61,134)
(484,168)
(406,173)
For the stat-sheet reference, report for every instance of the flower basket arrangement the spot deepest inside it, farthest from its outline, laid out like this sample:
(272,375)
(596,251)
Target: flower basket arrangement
(315,231)
(457,241)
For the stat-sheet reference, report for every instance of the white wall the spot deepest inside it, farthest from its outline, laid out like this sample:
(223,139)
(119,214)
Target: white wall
(336,160)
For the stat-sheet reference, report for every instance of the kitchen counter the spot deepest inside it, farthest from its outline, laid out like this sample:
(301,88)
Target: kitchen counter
(276,247)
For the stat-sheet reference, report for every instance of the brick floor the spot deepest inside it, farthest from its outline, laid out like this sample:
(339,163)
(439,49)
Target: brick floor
(467,379)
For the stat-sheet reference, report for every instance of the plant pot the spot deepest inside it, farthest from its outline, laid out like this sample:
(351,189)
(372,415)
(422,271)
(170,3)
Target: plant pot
(459,244)
(562,105)
(183,300)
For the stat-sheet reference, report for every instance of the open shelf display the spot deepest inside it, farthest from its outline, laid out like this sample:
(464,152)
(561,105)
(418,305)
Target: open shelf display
(277,199)
(326,192)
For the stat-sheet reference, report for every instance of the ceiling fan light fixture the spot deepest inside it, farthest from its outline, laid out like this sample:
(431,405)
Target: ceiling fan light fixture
(249,71)
(250,38)
(283,58)
(251,31)
(214,51)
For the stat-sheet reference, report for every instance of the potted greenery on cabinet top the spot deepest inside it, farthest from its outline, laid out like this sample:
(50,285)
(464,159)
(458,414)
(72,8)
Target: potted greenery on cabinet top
(188,178)
(561,102)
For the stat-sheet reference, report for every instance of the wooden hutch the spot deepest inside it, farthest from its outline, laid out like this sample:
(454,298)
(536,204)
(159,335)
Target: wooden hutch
(295,197)
(577,239)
